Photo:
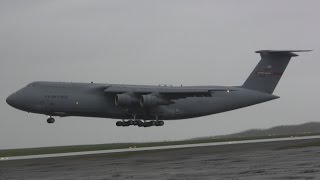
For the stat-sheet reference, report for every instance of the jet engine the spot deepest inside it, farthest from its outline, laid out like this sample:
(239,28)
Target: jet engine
(150,100)
(125,100)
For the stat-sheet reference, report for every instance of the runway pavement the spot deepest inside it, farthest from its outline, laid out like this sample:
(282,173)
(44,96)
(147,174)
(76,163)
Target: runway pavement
(131,149)
(284,159)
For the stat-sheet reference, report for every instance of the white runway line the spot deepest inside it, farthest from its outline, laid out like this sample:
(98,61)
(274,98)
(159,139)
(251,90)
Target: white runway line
(155,148)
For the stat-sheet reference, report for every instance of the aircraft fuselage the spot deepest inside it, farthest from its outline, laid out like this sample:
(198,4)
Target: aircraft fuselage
(89,100)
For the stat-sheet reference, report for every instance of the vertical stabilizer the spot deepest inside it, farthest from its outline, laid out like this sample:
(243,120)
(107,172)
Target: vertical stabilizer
(269,70)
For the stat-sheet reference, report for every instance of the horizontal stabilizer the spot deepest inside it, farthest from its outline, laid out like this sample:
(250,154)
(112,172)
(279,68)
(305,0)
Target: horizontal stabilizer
(289,53)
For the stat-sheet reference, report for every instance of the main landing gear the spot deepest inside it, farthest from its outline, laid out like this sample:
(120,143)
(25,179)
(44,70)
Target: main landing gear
(50,120)
(139,123)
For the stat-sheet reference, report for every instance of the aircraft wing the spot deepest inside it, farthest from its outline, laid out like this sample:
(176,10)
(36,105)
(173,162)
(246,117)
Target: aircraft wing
(166,91)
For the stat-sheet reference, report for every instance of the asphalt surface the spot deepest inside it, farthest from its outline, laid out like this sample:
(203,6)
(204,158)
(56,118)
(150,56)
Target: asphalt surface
(131,149)
(263,160)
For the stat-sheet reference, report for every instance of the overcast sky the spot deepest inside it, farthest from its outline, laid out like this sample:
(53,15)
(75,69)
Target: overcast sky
(201,42)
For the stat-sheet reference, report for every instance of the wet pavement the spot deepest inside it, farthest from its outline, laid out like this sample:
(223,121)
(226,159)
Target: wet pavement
(264,160)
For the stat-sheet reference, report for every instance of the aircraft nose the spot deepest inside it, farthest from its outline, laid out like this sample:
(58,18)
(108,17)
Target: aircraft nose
(11,100)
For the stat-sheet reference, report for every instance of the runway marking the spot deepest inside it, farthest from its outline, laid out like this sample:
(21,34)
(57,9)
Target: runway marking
(155,148)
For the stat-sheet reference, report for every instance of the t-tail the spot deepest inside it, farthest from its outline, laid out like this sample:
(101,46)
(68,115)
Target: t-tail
(269,70)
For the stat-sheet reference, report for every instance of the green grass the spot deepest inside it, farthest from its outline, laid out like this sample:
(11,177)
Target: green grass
(81,148)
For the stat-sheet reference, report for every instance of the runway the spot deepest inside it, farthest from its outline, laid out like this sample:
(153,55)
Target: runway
(274,159)
(134,149)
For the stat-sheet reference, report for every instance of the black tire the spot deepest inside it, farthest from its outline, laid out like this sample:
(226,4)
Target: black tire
(126,124)
(130,122)
(50,120)
(140,123)
(152,123)
(119,123)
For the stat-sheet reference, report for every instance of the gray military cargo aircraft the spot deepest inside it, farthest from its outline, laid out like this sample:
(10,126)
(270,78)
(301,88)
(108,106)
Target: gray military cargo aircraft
(146,106)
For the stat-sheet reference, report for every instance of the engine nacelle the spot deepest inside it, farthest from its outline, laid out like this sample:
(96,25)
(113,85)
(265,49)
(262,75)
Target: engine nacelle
(150,100)
(125,100)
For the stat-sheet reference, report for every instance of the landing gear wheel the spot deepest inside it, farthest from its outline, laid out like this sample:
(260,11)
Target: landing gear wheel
(50,120)
(146,124)
(126,124)
(130,122)
(140,124)
(152,123)
(159,123)
(119,123)
(137,123)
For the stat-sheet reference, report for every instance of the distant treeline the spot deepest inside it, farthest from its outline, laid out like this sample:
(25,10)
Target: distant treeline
(307,128)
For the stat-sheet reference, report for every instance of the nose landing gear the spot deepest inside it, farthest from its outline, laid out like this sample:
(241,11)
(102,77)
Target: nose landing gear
(50,120)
